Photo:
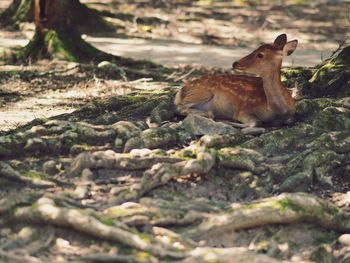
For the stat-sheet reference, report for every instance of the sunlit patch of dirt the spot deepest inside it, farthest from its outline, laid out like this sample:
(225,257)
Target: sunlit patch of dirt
(30,92)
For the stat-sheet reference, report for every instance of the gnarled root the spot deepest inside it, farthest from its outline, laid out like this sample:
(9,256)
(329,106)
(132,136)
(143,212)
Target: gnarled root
(284,209)
(162,173)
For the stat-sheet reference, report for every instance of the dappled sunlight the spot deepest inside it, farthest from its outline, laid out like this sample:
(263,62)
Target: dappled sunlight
(54,102)
(174,53)
(110,169)
(10,42)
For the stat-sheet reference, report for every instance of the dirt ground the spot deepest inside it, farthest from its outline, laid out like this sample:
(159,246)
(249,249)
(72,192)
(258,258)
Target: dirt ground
(72,169)
(203,33)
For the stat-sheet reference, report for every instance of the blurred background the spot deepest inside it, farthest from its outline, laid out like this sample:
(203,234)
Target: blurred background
(209,32)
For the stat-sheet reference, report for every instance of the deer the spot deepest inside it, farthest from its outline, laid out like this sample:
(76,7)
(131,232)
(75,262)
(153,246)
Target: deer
(256,99)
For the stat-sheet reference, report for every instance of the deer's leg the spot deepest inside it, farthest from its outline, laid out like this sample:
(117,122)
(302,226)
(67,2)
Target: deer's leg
(186,110)
(193,102)
(248,120)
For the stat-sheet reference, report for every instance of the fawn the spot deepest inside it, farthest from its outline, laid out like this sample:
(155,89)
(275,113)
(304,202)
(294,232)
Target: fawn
(253,101)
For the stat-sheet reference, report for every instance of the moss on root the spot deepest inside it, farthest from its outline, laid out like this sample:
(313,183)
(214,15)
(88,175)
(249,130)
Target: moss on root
(329,79)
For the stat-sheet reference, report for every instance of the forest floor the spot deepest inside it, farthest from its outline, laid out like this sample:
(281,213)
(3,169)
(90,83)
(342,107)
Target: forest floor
(107,173)
(202,34)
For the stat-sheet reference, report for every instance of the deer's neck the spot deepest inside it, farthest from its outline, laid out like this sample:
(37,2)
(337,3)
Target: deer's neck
(275,91)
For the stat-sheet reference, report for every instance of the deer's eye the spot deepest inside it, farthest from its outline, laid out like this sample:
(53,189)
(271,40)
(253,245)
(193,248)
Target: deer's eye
(259,55)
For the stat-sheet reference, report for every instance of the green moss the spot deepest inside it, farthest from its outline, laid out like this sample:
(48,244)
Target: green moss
(32,174)
(18,12)
(134,98)
(107,221)
(143,255)
(144,237)
(285,204)
(185,154)
(222,155)
(34,206)
(325,238)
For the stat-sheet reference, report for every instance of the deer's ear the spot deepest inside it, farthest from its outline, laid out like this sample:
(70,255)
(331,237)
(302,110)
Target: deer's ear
(280,41)
(289,48)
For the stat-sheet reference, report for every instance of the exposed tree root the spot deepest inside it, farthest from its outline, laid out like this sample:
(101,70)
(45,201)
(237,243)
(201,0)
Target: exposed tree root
(162,173)
(283,209)
(46,211)
(228,255)
(112,160)
(107,258)
(7,257)
(7,204)
(48,243)
(9,173)
(157,212)
(116,197)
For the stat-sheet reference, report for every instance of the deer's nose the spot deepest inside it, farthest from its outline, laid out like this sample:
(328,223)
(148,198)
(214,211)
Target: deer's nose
(234,65)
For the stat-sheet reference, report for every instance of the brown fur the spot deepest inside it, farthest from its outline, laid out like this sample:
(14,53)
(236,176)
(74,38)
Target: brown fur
(250,100)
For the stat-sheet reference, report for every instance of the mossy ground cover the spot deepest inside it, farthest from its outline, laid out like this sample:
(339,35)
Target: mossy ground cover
(120,179)
(165,165)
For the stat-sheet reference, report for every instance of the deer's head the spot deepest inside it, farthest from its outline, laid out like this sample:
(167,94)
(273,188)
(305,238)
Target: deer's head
(267,58)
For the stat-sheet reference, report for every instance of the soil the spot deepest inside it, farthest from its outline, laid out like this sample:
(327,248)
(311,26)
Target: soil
(205,34)
(192,39)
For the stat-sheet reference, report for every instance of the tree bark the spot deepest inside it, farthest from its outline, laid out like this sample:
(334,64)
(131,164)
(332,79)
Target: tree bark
(332,77)
(53,14)
(19,11)
(58,26)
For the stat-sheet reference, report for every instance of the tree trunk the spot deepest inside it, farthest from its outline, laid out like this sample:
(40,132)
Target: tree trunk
(329,79)
(56,22)
(68,14)
(343,57)
(19,11)
(332,78)
(83,18)
(57,34)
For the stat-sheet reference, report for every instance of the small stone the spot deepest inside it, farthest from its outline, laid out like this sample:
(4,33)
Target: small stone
(199,125)
(5,232)
(107,118)
(126,129)
(35,144)
(81,191)
(344,239)
(141,152)
(346,258)
(118,145)
(26,232)
(107,65)
(322,254)
(50,167)
(69,135)
(87,175)
(299,182)
(38,130)
(72,65)
(253,131)
(134,142)
(116,190)
(76,149)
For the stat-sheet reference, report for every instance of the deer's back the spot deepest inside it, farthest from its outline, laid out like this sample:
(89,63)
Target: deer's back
(239,89)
